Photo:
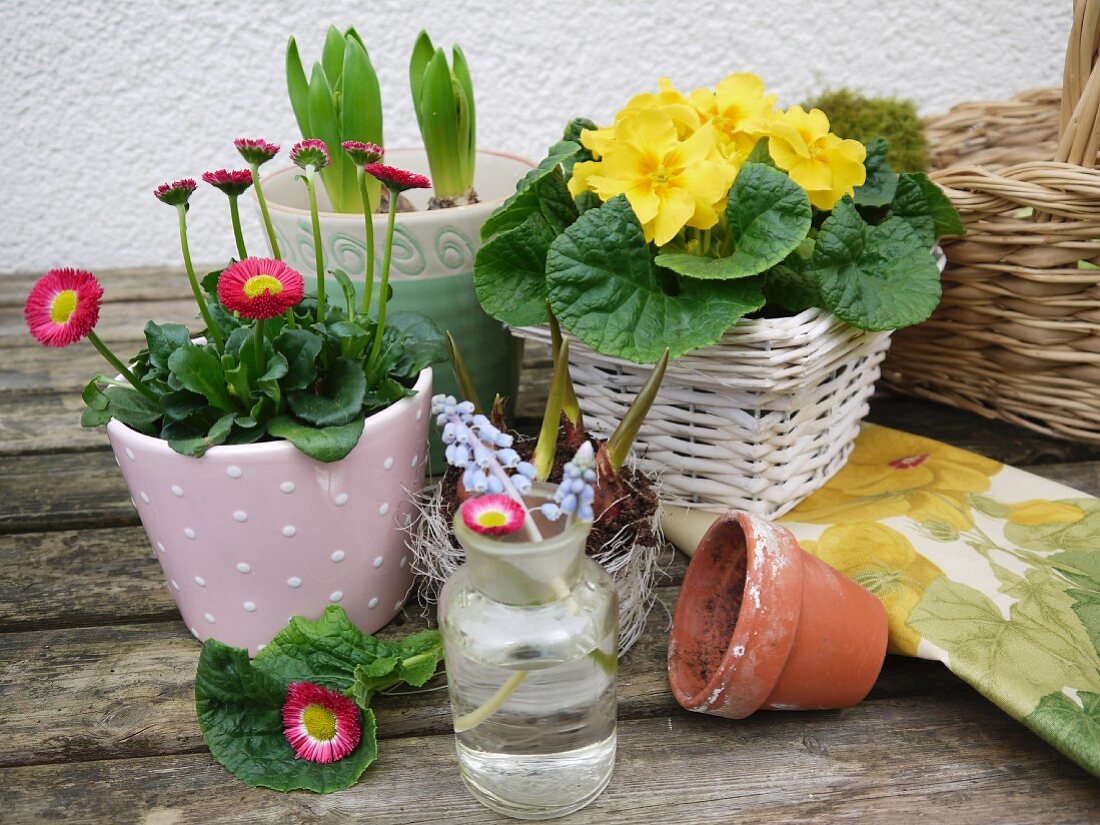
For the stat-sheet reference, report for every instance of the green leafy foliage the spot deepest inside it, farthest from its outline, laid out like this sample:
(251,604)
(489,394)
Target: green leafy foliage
(924,206)
(874,277)
(882,181)
(338,101)
(1074,728)
(768,216)
(239,703)
(612,296)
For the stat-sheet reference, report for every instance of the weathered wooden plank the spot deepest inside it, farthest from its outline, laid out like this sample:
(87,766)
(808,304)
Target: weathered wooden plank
(30,369)
(954,759)
(46,423)
(120,322)
(142,284)
(125,689)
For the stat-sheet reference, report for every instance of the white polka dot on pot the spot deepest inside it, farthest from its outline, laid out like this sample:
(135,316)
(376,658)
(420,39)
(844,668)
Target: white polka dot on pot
(144,497)
(290,531)
(340,500)
(415,460)
(240,515)
(388,463)
(175,585)
(249,607)
(378,561)
(233,471)
(373,603)
(338,555)
(243,567)
(194,632)
(385,508)
(287,486)
(294,582)
(187,531)
(419,413)
(160,547)
(209,617)
(130,454)
(200,581)
(177,491)
(335,596)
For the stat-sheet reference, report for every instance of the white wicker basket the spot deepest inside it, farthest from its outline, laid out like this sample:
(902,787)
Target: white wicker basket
(757,422)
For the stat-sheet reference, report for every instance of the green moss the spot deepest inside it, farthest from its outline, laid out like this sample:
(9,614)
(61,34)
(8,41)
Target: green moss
(852,115)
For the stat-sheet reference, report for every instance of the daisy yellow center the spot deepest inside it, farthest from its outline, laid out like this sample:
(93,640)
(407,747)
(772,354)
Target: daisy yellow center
(492,518)
(64,305)
(319,722)
(259,284)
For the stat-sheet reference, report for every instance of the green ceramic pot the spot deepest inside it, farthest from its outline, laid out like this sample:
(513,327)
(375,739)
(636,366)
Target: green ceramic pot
(432,266)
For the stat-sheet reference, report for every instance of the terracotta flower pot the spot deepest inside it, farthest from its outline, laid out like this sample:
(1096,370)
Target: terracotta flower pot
(763,624)
(250,535)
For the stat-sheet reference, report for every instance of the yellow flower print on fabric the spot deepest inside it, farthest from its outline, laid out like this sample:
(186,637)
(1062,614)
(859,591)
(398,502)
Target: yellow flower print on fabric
(885,562)
(1036,512)
(892,473)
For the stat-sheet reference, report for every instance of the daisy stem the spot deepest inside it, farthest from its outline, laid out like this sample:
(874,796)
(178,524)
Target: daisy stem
(263,211)
(318,251)
(238,236)
(258,345)
(204,310)
(384,287)
(123,370)
(368,221)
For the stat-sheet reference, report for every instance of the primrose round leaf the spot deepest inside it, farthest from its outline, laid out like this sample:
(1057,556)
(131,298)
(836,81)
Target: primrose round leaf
(510,273)
(874,277)
(605,290)
(240,713)
(769,216)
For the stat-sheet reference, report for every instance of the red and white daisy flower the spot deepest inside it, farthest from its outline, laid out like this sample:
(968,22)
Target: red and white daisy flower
(177,192)
(310,153)
(232,183)
(260,288)
(320,724)
(397,180)
(63,306)
(362,153)
(493,515)
(256,150)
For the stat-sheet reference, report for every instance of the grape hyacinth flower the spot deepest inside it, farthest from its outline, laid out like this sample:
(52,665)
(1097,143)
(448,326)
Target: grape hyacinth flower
(177,194)
(321,725)
(233,184)
(257,152)
(577,490)
(361,154)
(312,156)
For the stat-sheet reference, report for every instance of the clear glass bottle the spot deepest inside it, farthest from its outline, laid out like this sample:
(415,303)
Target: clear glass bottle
(530,632)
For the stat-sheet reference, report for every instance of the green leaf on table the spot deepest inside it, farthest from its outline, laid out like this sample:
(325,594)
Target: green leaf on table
(199,370)
(923,205)
(239,707)
(1072,728)
(605,290)
(879,187)
(413,661)
(874,277)
(340,399)
(321,443)
(300,347)
(1041,647)
(769,215)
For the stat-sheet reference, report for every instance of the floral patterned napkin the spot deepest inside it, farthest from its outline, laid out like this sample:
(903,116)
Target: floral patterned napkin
(987,568)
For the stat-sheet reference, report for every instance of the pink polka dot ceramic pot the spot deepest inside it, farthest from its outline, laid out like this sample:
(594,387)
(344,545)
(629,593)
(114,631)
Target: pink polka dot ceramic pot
(249,536)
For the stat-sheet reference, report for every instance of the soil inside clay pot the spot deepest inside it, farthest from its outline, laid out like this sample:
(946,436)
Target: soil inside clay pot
(716,620)
(633,523)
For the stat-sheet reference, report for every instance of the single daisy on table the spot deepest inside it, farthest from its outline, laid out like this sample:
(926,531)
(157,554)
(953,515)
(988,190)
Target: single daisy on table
(493,515)
(260,288)
(321,725)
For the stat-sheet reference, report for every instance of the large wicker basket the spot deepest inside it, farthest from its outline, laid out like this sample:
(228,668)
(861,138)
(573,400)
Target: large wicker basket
(1017,335)
(756,422)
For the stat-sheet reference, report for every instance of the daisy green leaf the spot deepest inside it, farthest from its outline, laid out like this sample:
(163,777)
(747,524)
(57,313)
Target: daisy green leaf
(239,706)
(338,402)
(322,443)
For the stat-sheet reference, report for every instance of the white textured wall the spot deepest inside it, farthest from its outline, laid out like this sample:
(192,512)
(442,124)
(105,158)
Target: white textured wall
(103,99)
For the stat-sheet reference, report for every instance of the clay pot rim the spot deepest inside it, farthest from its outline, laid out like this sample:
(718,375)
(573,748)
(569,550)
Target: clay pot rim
(778,619)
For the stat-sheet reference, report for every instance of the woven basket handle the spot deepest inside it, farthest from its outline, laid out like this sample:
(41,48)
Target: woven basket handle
(1080,114)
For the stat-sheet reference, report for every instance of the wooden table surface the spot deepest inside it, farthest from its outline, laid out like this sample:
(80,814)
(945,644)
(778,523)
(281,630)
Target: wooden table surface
(97,720)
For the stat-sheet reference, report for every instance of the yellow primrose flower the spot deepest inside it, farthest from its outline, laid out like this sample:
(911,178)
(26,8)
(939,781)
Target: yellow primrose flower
(669,182)
(827,167)
(740,112)
(891,473)
(667,100)
(884,561)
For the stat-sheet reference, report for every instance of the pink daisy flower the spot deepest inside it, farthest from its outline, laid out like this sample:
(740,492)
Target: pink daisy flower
(232,183)
(256,150)
(362,153)
(493,515)
(177,192)
(397,180)
(310,153)
(320,724)
(63,306)
(260,288)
